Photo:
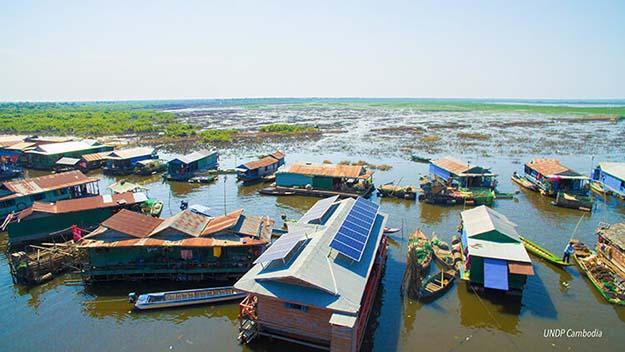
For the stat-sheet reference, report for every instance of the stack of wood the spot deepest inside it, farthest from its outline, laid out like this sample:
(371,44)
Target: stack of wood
(38,264)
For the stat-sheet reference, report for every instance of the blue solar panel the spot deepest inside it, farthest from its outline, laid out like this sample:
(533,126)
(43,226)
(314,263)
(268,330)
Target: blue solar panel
(284,245)
(351,238)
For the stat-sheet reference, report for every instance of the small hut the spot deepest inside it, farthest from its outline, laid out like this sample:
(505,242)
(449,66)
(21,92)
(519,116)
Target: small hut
(190,165)
(257,169)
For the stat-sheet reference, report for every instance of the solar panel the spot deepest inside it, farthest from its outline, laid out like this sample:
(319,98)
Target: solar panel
(318,210)
(285,244)
(351,238)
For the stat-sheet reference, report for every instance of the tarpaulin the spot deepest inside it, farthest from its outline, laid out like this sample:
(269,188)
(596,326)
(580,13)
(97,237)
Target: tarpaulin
(495,274)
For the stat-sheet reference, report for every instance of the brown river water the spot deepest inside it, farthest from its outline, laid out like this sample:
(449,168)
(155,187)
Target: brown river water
(60,316)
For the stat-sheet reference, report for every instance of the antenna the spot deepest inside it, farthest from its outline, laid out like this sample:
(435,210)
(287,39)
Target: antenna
(225,178)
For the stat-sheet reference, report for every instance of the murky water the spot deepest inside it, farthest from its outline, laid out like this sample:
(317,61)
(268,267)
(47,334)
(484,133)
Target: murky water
(60,315)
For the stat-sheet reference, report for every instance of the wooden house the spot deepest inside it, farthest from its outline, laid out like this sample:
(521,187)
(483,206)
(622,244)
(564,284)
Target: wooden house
(462,175)
(124,161)
(93,161)
(325,179)
(45,156)
(611,245)
(190,245)
(552,177)
(66,164)
(20,194)
(315,285)
(495,257)
(612,177)
(265,166)
(44,220)
(190,165)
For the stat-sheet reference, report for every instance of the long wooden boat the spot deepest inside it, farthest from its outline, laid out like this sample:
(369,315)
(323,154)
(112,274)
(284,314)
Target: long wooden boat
(436,285)
(181,298)
(609,284)
(442,252)
(418,263)
(524,182)
(543,253)
(598,188)
(573,201)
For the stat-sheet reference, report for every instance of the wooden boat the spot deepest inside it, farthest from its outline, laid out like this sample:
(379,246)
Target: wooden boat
(598,188)
(402,192)
(202,179)
(442,252)
(543,253)
(573,201)
(419,159)
(391,229)
(181,298)
(436,285)
(271,191)
(417,263)
(524,182)
(150,167)
(609,284)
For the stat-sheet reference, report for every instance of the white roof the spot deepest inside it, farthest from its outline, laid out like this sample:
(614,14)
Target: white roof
(614,169)
(506,251)
(130,153)
(56,148)
(195,156)
(483,219)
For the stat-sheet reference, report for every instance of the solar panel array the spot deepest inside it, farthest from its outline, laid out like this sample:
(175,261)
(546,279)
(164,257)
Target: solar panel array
(318,210)
(283,245)
(351,238)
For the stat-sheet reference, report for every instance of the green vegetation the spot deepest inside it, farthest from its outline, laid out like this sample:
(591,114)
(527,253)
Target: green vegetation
(285,128)
(179,130)
(213,135)
(81,119)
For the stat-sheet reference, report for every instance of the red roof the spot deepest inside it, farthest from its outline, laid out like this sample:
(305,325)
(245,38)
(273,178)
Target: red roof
(47,183)
(328,170)
(188,242)
(221,223)
(80,204)
(547,167)
(95,156)
(131,223)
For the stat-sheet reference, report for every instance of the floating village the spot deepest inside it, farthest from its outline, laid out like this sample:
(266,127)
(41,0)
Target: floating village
(309,281)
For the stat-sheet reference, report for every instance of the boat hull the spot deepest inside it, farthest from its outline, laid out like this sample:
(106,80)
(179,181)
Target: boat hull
(173,304)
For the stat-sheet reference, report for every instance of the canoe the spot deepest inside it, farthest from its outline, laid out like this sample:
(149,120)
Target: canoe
(573,201)
(159,300)
(418,262)
(523,182)
(419,159)
(202,179)
(598,188)
(543,253)
(391,229)
(436,285)
(605,280)
(271,191)
(442,252)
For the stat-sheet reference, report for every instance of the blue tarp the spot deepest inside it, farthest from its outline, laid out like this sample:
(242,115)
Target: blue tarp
(496,274)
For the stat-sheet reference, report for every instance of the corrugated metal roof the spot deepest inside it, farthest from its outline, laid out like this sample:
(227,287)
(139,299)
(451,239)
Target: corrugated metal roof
(483,219)
(318,275)
(48,182)
(615,169)
(67,161)
(187,222)
(80,204)
(22,146)
(506,251)
(195,156)
(57,148)
(548,167)
(278,154)
(90,242)
(221,223)
(615,233)
(452,165)
(131,223)
(266,161)
(123,186)
(95,156)
(328,170)
(130,153)
(521,268)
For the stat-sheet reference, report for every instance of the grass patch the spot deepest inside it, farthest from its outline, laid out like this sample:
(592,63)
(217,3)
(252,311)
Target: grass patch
(179,130)
(473,135)
(430,139)
(286,128)
(213,135)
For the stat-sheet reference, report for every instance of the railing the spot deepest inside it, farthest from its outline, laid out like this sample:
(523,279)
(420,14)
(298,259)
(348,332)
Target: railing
(247,307)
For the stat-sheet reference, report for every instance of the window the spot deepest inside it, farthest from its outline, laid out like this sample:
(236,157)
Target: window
(296,306)
(38,196)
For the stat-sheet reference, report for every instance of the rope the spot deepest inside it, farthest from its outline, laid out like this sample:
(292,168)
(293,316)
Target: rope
(576,226)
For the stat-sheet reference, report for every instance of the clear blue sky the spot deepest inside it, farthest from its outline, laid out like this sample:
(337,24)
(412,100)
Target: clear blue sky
(84,50)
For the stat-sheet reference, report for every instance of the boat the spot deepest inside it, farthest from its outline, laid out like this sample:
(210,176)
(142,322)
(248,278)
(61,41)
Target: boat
(391,229)
(573,201)
(417,263)
(202,179)
(402,192)
(442,252)
(152,207)
(272,191)
(456,252)
(159,300)
(419,159)
(543,253)
(150,167)
(598,188)
(436,285)
(524,182)
(605,280)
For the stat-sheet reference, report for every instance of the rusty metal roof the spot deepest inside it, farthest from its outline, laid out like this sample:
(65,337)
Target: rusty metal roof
(452,165)
(47,183)
(188,242)
(221,223)
(131,223)
(22,146)
(548,167)
(614,233)
(187,222)
(80,204)
(95,156)
(278,154)
(130,153)
(264,162)
(328,170)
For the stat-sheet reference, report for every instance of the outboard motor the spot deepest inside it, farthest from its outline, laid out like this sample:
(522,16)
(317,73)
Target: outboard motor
(132,297)
(184,205)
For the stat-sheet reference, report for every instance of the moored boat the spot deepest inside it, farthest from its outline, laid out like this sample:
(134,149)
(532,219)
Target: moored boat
(273,191)
(202,179)
(436,285)
(573,201)
(391,229)
(442,252)
(159,300)
(523,182)
(417,263)
(610,285)
(598,188)
(543,253)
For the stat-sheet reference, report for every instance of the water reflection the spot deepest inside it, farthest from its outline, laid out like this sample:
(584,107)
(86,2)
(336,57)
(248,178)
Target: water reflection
(490,310)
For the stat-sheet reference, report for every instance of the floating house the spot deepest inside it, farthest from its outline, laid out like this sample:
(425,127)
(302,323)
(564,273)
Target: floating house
(263,167)
(93,161)
(552,177)
(324,180)
(612,177)
(45,156)
(315,285)
(495,257)
(124,161)
(611,245)
(21,194)
(66,164)
(46,220)
(190,245)
(190,165)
